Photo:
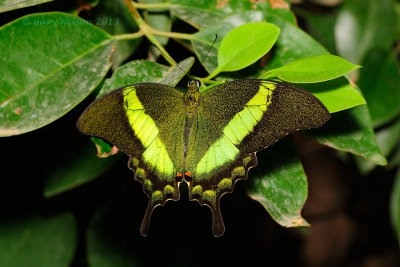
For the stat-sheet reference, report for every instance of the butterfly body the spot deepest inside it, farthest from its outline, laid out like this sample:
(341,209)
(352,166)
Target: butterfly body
(208,139)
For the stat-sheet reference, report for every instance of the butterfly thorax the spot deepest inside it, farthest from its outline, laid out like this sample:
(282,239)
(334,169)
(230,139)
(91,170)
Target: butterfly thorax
(192,97)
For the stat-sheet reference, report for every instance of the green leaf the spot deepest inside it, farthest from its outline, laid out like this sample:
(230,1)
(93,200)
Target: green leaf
(81,167)
(203,14)
(203,40)
(320,26)
(6,5)
(379,80)
(176,73)
(104,149)
(351,131)
(51,61)
(113,16)
(312,69)
(387,139)
(363,26)
(279,183)
(394,161)
(336,95)
(140,71)
(395,205)
(38,241)
(244,45)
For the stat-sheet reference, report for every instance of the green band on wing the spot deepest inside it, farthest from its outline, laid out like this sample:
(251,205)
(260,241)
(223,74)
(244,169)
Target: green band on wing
(218,154)
(145,129)
(242,124)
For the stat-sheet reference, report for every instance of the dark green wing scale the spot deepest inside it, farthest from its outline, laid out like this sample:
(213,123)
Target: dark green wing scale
(208,139)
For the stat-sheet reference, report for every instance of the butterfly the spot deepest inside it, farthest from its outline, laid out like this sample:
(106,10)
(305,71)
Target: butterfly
(208,139)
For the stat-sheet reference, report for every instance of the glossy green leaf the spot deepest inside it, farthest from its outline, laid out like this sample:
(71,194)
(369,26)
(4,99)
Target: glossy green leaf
(176,73)
(81,167)
(203,40)
(6,5)
(380,82)
(113,16)
(279,183)
(395,205)
(362,26)
(336,95)
(203,14)
(140,71)
(38,241)
(387,139)
(104,149)
(312,69)
(351,131)
(245,44)
(49,65)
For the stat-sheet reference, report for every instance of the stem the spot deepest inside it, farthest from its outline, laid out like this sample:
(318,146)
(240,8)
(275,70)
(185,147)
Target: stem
(177,35)
(146,30)
(150,6)
(129,36)
(212,75)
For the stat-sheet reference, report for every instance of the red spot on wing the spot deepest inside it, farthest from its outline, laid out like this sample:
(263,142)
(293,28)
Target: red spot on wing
(189,174)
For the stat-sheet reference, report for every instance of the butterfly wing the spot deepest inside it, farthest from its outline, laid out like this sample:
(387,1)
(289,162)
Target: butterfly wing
(235,120)
(146,122)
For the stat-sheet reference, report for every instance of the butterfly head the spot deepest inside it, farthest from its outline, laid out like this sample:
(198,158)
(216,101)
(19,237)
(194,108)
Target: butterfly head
(193,86)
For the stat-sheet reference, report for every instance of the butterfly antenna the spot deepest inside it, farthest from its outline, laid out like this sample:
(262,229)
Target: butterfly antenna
(170,59)
(215,39)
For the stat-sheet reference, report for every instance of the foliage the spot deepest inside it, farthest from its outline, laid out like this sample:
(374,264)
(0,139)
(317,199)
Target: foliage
(52,61)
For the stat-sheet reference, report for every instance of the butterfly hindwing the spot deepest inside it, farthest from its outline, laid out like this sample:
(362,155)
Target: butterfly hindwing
(146,122)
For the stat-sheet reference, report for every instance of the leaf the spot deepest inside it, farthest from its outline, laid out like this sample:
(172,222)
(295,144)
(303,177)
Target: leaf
(395,205)
(351,131)
(379,80)
(104,149)
(387,139)
(176,73)
(362,26)
(114,17)
(279,183)
(244,45)
(203,40)
(50,65)
(336,95)
(38,241)
(320,26)
(203,14)
(140,71)
(7,5)
(312,69)
(80,168)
